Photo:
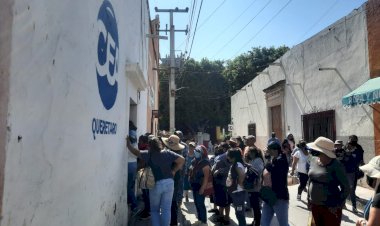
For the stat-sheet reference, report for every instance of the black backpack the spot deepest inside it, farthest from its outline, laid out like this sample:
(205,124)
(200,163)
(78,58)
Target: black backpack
(250,177)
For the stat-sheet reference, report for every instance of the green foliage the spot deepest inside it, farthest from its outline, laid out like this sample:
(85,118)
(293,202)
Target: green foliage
(205,88)
(246,67)
(203,102)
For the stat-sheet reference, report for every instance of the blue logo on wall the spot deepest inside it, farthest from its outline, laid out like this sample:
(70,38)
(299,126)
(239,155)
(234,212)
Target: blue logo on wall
(108,55)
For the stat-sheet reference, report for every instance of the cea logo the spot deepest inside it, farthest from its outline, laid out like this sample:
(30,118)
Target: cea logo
(108,55)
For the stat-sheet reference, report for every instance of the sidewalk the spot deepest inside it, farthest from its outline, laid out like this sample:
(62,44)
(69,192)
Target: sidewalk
(298,212)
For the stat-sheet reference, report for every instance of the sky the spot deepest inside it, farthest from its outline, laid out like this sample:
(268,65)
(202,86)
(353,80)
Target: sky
(228,28)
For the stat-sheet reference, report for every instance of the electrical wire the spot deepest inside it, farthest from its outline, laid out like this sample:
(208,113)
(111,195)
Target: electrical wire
(216,9)
(225,29)
(225,45)
(263,27)
(195,30)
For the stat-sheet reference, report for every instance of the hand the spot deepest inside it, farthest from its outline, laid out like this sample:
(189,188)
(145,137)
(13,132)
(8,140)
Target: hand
(361,222)
(201,190)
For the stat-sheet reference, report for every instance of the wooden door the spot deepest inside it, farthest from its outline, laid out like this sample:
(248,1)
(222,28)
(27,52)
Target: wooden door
(276,121)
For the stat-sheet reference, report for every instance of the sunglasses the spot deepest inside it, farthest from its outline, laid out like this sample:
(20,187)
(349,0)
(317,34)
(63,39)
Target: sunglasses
(315,153)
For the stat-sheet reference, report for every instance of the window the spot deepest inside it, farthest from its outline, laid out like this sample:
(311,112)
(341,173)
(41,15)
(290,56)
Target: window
(252,129)
(319,124)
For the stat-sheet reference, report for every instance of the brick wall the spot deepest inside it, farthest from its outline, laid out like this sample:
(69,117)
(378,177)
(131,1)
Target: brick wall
(373,22)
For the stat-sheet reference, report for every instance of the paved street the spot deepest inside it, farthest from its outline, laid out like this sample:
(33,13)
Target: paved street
(298,213)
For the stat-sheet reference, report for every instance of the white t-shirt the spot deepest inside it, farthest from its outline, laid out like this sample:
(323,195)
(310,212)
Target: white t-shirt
(302,160)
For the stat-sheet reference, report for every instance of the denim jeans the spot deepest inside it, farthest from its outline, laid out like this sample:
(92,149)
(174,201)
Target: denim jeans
(160,202)
(238,199)
(132,168)
(281,208)
(199,201)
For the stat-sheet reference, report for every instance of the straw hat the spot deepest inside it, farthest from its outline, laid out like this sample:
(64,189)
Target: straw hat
(233,140)
(372,169)
(173,143)
(323,145)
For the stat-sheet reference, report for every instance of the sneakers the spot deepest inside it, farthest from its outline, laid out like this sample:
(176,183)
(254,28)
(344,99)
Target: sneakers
(145,215)
(299,197)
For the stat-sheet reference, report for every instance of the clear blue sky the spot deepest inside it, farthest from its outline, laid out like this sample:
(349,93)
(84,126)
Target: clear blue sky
(221,34)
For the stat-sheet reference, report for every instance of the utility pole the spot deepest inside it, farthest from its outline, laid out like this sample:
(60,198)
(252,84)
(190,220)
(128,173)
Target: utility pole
(172,86)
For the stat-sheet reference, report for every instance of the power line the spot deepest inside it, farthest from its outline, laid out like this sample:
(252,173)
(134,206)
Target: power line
(319,20)
(242,29)
(225,29)
(195,30)
(262,28)
(191,18)
(216,9)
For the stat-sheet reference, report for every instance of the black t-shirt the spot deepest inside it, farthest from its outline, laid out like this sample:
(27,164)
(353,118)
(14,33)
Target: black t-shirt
(160,162)
(279,174)
(376,201)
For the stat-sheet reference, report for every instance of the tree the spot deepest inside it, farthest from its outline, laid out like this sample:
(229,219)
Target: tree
(205,89)
(247,66)
(202,101)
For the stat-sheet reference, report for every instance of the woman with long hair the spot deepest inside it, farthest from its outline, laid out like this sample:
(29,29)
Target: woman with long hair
(164,164)
(235,182)
(300,162)
(275,193)
(255,158)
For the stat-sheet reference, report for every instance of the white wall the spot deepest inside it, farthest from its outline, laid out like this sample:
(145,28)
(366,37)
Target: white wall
(343,46)
(56,173)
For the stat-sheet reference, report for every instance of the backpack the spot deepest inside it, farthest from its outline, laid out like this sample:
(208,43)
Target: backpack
(250,177)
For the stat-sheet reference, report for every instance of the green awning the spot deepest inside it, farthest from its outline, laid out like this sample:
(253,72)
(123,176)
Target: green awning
(368,93)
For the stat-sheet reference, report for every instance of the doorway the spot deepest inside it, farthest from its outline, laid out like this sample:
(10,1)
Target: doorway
(276,118)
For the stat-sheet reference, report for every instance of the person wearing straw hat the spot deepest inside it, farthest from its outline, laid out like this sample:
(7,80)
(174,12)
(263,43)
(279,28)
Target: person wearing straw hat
(328,187)
(372,209)
(164,164)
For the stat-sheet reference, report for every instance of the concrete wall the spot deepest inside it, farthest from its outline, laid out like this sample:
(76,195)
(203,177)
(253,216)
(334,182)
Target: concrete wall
(341,47)
(61,168)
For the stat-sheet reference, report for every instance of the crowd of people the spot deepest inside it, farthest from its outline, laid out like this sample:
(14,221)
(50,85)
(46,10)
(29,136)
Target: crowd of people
(241,175)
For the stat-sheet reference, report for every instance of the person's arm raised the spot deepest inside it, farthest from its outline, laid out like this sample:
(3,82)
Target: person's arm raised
(132,149)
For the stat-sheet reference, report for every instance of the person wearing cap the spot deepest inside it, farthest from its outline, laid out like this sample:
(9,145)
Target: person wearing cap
(274,139)
(199,173)
(338,149)
(300,159)
(275,178)
(328,183)
(189,158)
(351,162)
(372,209)
(164,164)
(220,172)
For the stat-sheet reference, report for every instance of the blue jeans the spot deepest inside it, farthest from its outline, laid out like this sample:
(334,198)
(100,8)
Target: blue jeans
(199,201)
(281,208)
(238,198)
(160,202)
(132,168)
